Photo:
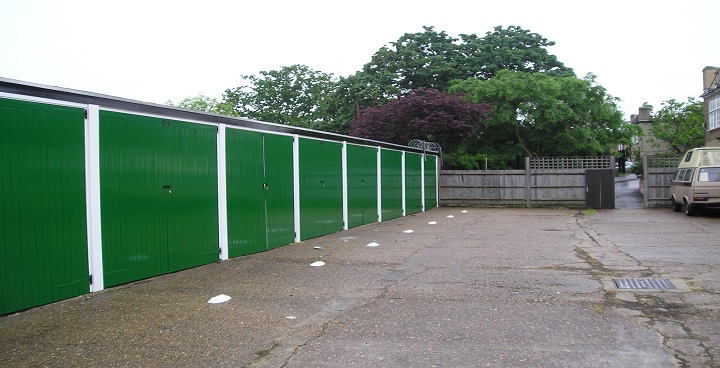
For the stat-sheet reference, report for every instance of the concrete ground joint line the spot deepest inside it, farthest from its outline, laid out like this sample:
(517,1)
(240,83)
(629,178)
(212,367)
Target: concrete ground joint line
(597,268)
(648,318)
(699,338)
(593,239)
(701,342)
(617,248)
(645,320)
(296,349)
(599,242)
(578,223)
(667,341)
(701,228)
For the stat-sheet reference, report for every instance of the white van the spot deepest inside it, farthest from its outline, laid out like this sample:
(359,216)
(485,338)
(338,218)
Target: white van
(696,183)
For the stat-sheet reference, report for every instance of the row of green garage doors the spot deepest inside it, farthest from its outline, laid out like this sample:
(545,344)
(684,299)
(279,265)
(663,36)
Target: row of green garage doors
(159,195)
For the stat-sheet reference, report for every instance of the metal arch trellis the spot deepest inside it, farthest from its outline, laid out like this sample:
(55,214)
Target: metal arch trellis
(425,146)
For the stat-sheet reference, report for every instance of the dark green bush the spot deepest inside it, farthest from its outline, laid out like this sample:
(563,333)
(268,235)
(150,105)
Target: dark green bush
(464,161)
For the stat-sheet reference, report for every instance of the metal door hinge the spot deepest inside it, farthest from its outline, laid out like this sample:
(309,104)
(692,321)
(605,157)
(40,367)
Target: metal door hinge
(86,114)
(90,279)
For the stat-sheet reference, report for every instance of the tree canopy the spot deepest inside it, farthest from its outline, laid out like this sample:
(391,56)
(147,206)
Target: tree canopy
(431,59)
(293,95)
(513,49)
(512,98)
(545,115)
(427,59)
(679,124)
(425,114)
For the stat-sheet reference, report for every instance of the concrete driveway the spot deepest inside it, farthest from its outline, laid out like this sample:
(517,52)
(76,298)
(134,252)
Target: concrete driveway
(486,287)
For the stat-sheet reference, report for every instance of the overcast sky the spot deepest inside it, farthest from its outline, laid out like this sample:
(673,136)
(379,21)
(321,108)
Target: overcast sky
(157,50)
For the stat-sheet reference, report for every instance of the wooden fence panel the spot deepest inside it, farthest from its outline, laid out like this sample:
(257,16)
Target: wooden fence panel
(545,182)
(558,187)
(482,187)
(656,181)
(514,188)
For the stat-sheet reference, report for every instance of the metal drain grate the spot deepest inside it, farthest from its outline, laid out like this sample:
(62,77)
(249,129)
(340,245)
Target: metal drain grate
(653,284)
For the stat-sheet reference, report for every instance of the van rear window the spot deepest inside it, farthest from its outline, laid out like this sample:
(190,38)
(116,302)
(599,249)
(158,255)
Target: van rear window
(710,174)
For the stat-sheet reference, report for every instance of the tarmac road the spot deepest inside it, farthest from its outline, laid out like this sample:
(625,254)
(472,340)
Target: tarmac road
(487,287)
(627,192)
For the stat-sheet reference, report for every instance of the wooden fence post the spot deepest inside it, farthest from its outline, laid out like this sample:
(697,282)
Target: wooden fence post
(527,182)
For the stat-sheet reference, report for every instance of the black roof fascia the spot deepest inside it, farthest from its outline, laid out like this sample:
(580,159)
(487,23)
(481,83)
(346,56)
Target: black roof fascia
(12,86)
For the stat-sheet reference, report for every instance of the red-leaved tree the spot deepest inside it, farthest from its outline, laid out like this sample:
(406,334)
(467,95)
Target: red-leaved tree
(426,114)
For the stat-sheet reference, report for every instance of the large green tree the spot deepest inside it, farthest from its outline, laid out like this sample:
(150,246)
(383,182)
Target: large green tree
(432,59)
(680,125)
(294,95)
(511,48)
(537,114)
(427,59)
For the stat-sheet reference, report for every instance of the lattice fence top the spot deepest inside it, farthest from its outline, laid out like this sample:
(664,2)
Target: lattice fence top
(664,161)
(604,162)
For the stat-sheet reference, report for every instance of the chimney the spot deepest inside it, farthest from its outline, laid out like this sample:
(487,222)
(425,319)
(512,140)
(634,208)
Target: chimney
(643,115)
(709,75)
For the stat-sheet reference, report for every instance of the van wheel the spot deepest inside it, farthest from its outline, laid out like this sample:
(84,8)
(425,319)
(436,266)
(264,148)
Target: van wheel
(676,207)
(690,210)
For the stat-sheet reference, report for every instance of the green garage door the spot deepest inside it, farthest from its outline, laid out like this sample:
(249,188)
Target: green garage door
(391,181)
(43,236)
(413,183)
(361,185)
(321,195)
(430,182)
(158,182)
(260,191)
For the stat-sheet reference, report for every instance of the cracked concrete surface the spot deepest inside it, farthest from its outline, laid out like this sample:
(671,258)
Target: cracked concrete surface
(489,287)
(672,314)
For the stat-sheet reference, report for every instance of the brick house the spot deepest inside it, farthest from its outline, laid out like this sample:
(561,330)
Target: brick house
(643,145)
(711,105)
